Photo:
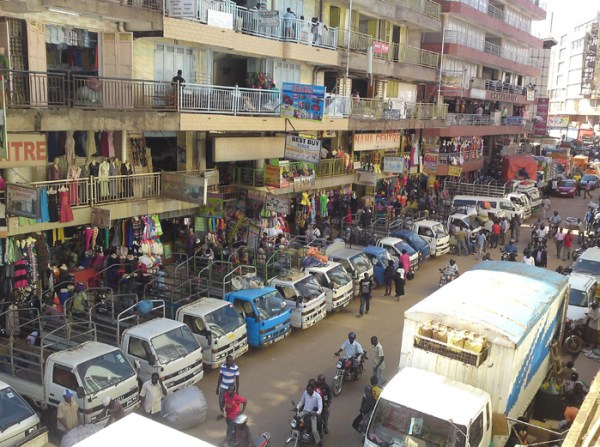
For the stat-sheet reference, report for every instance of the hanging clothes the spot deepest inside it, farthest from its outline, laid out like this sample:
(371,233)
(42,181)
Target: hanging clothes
(104,144)
(80,137)
(70,147)
(66,213)
(103,172)
(53,205)
(44,214)
(111,146)
(73,174)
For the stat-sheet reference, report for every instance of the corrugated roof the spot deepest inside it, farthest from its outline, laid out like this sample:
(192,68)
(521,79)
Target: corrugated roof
(504,297)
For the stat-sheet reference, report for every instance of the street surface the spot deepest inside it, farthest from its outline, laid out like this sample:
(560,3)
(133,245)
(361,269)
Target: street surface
(273,377)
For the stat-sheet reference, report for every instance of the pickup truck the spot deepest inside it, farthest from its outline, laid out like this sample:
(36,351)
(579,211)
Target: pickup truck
(66,356)
(20,424)
(415,241)
(335,277)
(435,234)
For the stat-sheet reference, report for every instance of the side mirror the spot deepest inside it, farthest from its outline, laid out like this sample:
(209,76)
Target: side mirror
(151,359)
(80,392)
(137,364)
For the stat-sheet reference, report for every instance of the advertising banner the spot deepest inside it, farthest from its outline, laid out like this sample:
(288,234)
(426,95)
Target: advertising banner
(454,171)
(182,8)
(272,176)
(302,101)
(380,47)
(187,188)
(558,121)
(368,178)
(25,150)
(22,201)
(302,149)
(376,141)
(304,182)
(394,165)
(100,217)
(430,160)
(278,204)
(213,208)
(220,19)
(540,120)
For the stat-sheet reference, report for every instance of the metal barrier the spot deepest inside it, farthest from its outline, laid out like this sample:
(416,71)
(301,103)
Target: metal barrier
(125,187)
(331,167)
(229,100)
(78,191)
(427,7)
(25,89)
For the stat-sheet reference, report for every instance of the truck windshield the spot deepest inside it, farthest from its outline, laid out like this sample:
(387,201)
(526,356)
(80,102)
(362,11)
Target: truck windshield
(339,276)
(361,263)
(578,298)
(269,305)
(223,320)
(472,222)
(395,425)
(308,287)
(174,344)
(399,246)
(385,256)
(587,266)
(13,409)
(439,230)
(104,371)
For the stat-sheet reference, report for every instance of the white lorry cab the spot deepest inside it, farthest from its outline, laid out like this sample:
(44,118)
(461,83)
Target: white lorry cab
(521,200)
(581,296)
(434,234)
(304,297)
(356,262)
(395,246)
(19,423)
(217,326)
(497,206)
(530,189)
(334,276)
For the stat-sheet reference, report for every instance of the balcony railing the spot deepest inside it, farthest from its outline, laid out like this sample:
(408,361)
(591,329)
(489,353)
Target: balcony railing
(510,18)
(125,187)
(332,167)
(467,119)
(229,100)
(155,5)
(79,190)
(498,86)
(34,88)
(459,38)
(392,109)
(427,7)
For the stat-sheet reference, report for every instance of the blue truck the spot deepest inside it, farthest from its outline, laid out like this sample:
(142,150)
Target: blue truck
(379,257)
(415,241)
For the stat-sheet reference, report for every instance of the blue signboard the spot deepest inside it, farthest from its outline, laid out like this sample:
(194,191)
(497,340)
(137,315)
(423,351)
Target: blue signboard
(302,101)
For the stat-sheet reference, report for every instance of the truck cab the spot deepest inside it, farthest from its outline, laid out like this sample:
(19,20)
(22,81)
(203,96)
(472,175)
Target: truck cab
(304,296)
(266,313)
(415,241)
(18,421)
(335,277)
(522,201)
(395,246)
(404,417)
(435,235)
(356,263)
(530,189)
(581,296)
(379,257)
(219,329)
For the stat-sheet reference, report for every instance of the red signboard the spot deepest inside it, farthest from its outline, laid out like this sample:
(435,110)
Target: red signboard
(540,121)
(380,47)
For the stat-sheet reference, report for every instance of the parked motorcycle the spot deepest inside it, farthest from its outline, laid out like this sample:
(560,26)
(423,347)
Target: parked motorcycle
(345,372)
(239,425)
(574,338)
(445,277)
(301,431)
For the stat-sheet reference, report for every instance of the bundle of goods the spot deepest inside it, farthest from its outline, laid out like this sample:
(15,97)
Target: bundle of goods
(314,258)
(453,338)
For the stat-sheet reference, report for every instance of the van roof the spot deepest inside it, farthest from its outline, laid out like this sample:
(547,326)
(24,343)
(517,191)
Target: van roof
(441,397)
(205,304)
(578,281)
(591,254)
(330,265)
(503,300)
(391,240)
(345,253)
(374,249)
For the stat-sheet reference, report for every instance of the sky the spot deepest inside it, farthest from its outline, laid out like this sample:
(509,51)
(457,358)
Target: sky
(567,14)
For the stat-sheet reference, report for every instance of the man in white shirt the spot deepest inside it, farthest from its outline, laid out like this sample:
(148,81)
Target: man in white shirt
(311,405)
(151,397)
(352,349)
(528,259)
(546,206)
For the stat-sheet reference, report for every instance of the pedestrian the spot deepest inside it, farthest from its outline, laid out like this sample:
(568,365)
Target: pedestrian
(114,409)
(580,231)
(178,81)
(234,405)
(405,260)
(369,399)
(151,396)
(540,256)
(378,360)
(515,228)
(527,258)
(587,190)
(567,244)
(589,219)
(288,24)
(504,226)
(388,277)
(366,285)
(190,242)
(559,240)
(399,279)
(326,396)
(546,205)
(480,244)
(461,242)
(592,325)
(66,414)
(578,187)
(495,236)
(469,241)
(229,374)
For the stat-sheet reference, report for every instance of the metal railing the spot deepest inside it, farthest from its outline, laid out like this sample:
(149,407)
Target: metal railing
(498,86)
(34,88)
(446,159)
(124,187)
(155,5)
(459,38)
(509,17)
(332,167)
(337,106)
(78,191)
(385,108)
(229,100)
(249,176)
(427,7)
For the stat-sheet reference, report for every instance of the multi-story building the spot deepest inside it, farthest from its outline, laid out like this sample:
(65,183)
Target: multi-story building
(95,107)
(575,82)
(486,77)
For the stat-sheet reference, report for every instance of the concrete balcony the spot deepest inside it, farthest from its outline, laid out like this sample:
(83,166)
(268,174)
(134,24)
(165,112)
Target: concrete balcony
(461,124)
(420,14)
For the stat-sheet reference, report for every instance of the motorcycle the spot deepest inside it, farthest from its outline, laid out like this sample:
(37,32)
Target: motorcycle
(512,257)
(344,371)
(445,277)
(240,423)
(301,431)
(574,338)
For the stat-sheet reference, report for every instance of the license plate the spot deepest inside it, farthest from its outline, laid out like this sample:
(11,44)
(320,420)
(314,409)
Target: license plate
(281,337)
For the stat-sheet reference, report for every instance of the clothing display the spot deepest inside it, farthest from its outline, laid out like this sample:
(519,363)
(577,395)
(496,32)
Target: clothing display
(103,172)
(73,174)
(53,205)
(43,204)
(54,172)
(66,214)
(70,147)
(112,172)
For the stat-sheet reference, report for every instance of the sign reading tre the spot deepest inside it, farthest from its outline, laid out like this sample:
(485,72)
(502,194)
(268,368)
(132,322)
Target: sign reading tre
(25,149)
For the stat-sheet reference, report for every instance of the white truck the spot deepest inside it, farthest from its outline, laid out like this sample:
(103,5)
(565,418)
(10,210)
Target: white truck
(66,356)
(521,200)
(479,351)
(434,234)
(395,246)
(151,342)
(304,297)
(19,423)
(334,276)
(356,262)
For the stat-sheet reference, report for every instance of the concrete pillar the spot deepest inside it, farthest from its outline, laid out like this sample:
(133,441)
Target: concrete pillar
(124,146)
(200,152)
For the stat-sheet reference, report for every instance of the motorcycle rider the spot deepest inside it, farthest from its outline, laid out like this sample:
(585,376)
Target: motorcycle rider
(555,221)
(510,249)
(241,435)
(325,391)
(452,270)
(352,349)
(311,405)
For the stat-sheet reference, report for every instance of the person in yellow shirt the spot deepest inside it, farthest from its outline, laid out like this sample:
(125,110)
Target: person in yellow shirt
(66,414)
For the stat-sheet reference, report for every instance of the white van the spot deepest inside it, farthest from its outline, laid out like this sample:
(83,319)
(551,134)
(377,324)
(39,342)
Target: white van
(490,204)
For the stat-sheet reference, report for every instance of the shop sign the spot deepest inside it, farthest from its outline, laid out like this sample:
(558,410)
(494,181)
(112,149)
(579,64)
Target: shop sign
(22,201)
(100,217)
(199,225)
(268,18)
(187,188)
(376,141)
(394,165)
(478,93)
(278,204)
(213,208)
(220,19)
(364,177)
(302,101)
(541,118)
(507,97)
(302,149)
(272,176)
(454,171)
(25,149)
(558,121)
(530,94)
(182,8)
(304,182)
(430,160)
(380,47)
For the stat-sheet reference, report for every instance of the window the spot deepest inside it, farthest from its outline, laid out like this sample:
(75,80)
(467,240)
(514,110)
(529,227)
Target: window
(195,324)
(476,431)
(286,72)
(392,89)
(63,376)
(577,44)
(561,66)
(170,58)
(138,348)
(563,39)
(561,53)
(423,231)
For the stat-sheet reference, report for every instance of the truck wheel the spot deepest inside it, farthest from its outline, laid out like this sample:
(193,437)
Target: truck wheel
(573,344)
(338,385)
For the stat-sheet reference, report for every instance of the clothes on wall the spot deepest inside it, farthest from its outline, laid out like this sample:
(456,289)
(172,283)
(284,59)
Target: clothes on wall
(80,143)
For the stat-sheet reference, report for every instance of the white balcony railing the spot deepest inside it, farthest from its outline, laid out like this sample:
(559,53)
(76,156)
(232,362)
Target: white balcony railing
(229,100)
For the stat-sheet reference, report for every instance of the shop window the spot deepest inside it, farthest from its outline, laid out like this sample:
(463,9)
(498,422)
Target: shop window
(63,376)
(392,89)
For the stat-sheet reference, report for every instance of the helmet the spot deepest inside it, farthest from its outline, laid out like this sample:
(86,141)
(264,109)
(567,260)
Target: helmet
(512,241)
(241,419)
(351,336)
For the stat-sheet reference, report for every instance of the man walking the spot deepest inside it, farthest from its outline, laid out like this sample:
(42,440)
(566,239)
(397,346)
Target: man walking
(515,228)
(559,240)
(378,360)
(366,285)
(480,244)
(587,192)
(229,374)
(151,396)
(495,236)
(546,206)
(234,405)
(461,242)
(66,414)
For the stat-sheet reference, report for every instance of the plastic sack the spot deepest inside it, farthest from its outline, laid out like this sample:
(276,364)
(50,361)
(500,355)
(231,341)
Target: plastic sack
(456,339)
(184,409)
(144,307)
(80,433)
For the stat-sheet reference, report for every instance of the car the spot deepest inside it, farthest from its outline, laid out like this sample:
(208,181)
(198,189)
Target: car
(592,179)
(566,188)
(588,263)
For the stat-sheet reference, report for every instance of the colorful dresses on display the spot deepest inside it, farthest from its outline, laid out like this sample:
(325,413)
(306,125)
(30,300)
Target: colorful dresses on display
(103,172)
(66,213)
(53,205)
(73,175)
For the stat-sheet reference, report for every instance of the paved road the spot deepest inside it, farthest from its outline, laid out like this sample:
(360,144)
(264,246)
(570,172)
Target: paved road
(271,378)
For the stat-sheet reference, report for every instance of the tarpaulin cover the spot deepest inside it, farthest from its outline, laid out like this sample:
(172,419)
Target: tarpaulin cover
(184,409)
(519,167)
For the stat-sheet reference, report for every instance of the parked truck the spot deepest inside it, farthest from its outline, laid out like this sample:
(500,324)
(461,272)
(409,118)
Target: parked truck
(19,423)
(396,245)
(65,356)
(356,262)
(435,234)
(334,276)
(473,356)
(495,189)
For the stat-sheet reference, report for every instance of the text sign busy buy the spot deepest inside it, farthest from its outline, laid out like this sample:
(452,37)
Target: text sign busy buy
(376,141)
(26,149)
(302,149)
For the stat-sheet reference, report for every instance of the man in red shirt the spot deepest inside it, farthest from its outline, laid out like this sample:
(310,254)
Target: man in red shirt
(495,235)
(232,404)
